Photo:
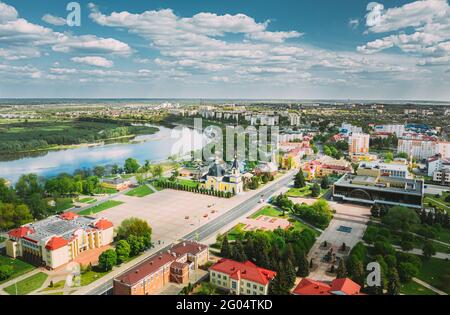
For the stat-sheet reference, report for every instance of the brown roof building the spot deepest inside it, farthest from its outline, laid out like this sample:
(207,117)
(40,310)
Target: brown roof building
(152,275)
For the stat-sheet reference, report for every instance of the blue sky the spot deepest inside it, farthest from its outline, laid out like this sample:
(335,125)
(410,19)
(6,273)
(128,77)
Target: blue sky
(349,49)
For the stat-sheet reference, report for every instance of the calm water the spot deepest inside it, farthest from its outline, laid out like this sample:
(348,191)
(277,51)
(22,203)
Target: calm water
(156,147)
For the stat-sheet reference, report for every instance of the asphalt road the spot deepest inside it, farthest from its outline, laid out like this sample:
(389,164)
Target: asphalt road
(215,225)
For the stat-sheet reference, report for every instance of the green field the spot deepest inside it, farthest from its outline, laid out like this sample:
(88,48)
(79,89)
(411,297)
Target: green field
(303,192)
(27,285)
(269,211)
(56,286)
(436,272)
(437,202)
(413,288)
(103,190)
(63,204)
(141,191)
(101,207)
(19,267)
(87,200)
(90,276)
(187,182)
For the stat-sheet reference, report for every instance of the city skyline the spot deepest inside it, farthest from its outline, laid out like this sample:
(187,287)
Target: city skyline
(191,49)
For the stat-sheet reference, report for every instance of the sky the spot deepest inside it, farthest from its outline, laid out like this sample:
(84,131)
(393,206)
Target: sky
(271,49)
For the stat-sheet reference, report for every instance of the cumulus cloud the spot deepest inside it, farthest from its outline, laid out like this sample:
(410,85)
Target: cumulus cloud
(54,20)
(94,61)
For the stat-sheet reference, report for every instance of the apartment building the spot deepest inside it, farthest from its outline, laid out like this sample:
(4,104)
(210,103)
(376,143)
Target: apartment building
(422,148)
(59,239)
(358,143)
(173,266)
(241,278)
(398,130)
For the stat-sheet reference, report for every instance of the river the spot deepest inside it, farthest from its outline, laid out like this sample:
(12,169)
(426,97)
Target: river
(156,147)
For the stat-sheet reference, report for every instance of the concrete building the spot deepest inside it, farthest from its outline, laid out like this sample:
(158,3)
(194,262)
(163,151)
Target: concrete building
(348,129)
(398,130)
(174,266)
(437,163)
(422,147)
(370,187)
(358,143)
(388,169)
(295,119)
(241,278)
(59,239)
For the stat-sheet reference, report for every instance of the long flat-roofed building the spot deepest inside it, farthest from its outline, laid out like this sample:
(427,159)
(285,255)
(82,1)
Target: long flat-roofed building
(369,187)
(59,239)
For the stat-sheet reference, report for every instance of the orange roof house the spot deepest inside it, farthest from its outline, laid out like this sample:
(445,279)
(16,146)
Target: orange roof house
(247,271)
(343,286)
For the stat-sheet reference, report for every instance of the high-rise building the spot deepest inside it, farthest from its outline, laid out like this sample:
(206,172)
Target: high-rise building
(358,143)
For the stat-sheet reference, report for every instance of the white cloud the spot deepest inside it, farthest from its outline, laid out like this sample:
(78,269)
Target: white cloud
(353,23)
(94,61)
(54,20)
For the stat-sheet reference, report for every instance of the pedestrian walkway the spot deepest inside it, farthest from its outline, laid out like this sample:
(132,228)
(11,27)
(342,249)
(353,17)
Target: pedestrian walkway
(426,285)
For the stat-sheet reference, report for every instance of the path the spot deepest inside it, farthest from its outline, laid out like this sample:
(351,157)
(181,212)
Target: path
(426,285)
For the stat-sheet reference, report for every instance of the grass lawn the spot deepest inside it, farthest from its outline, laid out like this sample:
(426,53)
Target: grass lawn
(303,192)
(141,191)
(19,267)
(187,182)
(413,288)
(56,286)
(91,276)
(268,211)
(101,207)
(432,272)
(439,203)
(103,190)
(87,200)
(127,176)
(63,204)
(27,285)
(235,231)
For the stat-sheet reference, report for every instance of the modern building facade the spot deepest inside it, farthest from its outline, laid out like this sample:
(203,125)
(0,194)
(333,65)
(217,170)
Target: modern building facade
(241,278)
(358,143)
(370,187)
(59,239)
(174,266)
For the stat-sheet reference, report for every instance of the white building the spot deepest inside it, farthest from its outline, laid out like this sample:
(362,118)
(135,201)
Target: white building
(418,148)
(349,129)
(295,119)
(398,130)
(388,169)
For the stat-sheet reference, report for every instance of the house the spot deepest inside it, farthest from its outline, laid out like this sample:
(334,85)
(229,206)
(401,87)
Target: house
(241,278)
(59,239)
(116,183)
(176,265)
(218,179)
(343,286)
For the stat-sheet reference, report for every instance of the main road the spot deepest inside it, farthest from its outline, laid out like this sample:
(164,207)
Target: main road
(212,227)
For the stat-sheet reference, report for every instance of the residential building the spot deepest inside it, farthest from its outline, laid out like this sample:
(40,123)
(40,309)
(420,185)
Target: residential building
(358,143)
(388,169)
(116,183)
(331,166)
(436,163)
(241,278)
(151,276)
(419,148)
(442,177)
(218,179)
(370,187)
(59,239)
(398,130)
(342,286)
(348,129)
(295,119)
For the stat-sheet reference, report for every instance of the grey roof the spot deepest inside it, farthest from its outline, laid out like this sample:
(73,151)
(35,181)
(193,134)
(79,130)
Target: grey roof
(216,170)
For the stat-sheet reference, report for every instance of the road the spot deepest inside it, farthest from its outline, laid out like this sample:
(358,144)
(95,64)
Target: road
(214,226)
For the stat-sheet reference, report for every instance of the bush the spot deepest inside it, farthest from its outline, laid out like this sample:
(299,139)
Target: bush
(107,260)
(5,272)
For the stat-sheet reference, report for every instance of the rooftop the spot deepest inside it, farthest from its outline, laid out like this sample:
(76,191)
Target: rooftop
(246,270)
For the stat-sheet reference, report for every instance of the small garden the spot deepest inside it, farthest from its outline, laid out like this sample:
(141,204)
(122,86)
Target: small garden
(190,186)
(11,268)
(101,207)
(140,191)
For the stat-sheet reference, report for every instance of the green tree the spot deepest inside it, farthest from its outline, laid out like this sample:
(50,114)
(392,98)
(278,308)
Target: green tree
(239,252)
(99,171)
(225,250)
(401,218)
(131,166)
(299,180)
(107,260)
(157,171)
(325,182)
(134,226)
(341,271)
(123,250)
(315,190)
(406,271)
(428,250)
(6,272)
(393,283)
(389,157)
(303,266)
(137,244)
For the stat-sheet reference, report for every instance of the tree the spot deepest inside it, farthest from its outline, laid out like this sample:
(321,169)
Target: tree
(123,250)
(107,260)
(393,285)
(325,182)
(401,218)
(157,171)
(134,226)
(389,157)
(428,250)
(315,190)
(406,271)
(137,244)
(140,179)
(131,166)
(238,252)
(303,267)
(99,171)
(290,275)
(6,272)
(341,271)
(225,250)
(299,180)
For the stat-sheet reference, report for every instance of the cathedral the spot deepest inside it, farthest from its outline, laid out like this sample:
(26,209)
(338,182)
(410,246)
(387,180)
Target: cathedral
(218,179)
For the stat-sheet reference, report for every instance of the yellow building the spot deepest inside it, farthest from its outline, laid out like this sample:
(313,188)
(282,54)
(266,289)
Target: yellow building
(218,179)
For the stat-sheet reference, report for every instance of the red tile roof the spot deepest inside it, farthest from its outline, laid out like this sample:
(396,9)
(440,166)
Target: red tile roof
(247,270)
(69,216)
(56,242)
(345,286)
(20,232)
(103,224)
(311,287)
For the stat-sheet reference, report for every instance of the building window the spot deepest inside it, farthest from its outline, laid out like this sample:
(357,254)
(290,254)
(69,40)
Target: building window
(234,285)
